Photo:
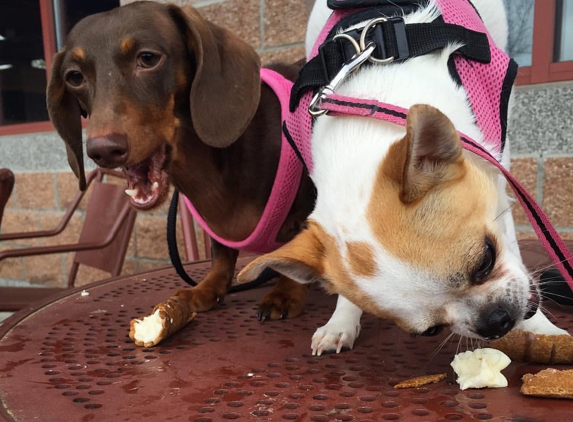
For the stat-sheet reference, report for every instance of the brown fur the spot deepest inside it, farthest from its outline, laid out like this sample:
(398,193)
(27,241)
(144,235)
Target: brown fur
(427,219)
(313,256)
(361,258)
(204,100)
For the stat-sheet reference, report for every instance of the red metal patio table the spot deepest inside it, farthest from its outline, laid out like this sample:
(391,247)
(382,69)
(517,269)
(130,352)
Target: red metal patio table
(69,358)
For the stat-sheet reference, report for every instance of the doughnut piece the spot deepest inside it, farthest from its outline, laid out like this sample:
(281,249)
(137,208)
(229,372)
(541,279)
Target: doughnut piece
(166,319)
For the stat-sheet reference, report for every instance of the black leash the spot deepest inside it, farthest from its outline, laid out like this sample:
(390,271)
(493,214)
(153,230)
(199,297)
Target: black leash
(265,276)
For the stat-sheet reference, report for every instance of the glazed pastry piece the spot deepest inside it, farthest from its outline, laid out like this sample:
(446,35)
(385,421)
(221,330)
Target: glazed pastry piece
(166,319)
(549,383)
(523,346)
(480,368)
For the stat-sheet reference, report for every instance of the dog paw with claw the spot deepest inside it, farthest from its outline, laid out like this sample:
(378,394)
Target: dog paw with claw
(286,300)
(334,336)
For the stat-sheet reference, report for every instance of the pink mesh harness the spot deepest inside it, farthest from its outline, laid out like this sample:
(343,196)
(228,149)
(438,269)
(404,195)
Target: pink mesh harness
(484,84)
(284,190)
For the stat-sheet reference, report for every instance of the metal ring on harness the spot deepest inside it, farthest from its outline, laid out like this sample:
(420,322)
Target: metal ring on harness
(350,66)
(352,41)
(369,25)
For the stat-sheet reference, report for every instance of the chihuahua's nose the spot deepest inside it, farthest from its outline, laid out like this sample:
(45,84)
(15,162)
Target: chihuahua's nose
(495,322)
(108,151)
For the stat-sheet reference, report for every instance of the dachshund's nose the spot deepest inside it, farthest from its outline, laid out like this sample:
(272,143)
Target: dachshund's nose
(495,322)
(108,151)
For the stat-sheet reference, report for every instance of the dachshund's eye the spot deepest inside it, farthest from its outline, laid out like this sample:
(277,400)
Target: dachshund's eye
(487,263)
(74,78)
(147,60)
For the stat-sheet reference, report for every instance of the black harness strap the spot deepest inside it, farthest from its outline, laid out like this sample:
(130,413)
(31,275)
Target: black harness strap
(355,4)
(265,276)
(393,39)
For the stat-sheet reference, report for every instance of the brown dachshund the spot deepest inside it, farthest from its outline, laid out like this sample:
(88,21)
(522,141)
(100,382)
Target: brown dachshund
(173,98)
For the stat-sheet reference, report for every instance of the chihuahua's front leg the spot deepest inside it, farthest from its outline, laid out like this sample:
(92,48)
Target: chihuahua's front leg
(216,283)
(341,330)
(539,324)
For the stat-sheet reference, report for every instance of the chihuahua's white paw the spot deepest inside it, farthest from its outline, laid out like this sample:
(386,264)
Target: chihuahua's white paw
(334,336)
(539,324)
(340,331)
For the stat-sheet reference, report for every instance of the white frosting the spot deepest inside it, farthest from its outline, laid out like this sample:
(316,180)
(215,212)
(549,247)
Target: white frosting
(149,328)
(481,368)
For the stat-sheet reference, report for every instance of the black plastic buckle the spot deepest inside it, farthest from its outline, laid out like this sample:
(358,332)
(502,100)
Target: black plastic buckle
(380,36)
(334,47)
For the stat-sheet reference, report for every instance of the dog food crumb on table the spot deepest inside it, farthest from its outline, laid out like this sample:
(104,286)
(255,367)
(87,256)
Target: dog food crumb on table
(524,346)
(420,381)
(549,383)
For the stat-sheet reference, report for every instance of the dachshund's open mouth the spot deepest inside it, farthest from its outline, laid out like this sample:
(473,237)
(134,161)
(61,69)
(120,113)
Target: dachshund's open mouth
(147,180)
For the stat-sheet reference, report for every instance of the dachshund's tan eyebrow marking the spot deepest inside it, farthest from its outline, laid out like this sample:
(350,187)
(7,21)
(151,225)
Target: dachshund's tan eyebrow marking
(127,44)
(79,53)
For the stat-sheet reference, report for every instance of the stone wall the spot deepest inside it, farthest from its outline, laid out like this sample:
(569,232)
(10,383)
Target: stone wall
(541,134)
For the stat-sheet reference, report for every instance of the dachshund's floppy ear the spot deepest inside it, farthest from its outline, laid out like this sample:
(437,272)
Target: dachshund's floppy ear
(226,89)
(65,114)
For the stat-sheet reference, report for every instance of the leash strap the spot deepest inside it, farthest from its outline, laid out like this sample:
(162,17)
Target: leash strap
(172,240)
(395,42)
(265,276)
(550,239)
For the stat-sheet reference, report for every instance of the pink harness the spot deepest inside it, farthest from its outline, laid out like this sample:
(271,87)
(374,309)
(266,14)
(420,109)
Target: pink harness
(483,83)
(284,190)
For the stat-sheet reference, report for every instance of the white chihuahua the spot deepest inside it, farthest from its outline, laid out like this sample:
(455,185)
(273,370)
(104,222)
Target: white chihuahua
(407,225)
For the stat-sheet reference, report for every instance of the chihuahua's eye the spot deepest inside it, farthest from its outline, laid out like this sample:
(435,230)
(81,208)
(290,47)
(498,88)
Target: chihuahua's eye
(74,78)
(147,60)
(433,331)
(486,265)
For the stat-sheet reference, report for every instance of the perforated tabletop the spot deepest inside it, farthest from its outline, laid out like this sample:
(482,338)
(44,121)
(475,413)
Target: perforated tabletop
(71,359)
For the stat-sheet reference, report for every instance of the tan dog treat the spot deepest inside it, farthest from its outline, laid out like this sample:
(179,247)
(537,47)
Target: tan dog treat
(524,346)
(549,383)
(419,381)
(166,319)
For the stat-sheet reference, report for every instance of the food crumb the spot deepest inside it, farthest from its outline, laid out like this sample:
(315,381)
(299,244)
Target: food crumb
(419,381)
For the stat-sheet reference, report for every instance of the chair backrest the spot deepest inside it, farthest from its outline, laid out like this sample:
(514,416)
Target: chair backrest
(108,204)
(6,186)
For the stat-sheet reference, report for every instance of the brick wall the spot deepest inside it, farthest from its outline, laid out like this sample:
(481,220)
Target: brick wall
(543,142)
(549,180)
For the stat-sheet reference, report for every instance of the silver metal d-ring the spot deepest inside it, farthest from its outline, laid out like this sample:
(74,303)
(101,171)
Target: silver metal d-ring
(352,41)
(369,25)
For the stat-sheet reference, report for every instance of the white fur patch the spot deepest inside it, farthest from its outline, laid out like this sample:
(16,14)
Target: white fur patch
(340,331)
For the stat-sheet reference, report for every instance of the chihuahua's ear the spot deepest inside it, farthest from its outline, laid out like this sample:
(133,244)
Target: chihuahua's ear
(431,153)
(302,259)
(226,89)
(65,114)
